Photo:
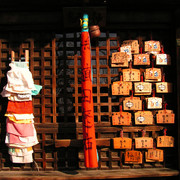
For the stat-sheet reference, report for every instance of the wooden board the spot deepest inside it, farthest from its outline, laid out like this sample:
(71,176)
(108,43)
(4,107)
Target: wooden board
(142,88)
(143,118)
(122,143)
(165,141)
(121,118)
(144,143)
(141,59)
(84,174)
(133,157)
(121,88)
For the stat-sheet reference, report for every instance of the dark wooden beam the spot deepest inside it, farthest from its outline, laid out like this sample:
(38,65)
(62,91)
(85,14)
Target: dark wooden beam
(104,142)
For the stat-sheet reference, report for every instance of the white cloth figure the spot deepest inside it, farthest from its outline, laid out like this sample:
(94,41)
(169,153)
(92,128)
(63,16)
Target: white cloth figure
(12,140)
(16,97)
(20,151)
(20,80)
(22,159)
(21,134)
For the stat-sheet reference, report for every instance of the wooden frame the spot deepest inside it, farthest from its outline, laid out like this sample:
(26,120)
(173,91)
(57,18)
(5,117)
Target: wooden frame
(55,64)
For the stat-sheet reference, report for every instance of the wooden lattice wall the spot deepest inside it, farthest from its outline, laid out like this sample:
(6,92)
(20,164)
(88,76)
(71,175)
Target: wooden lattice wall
(55,62)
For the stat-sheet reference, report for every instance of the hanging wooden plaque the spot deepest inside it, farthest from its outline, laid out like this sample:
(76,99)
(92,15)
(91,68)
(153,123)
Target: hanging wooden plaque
(165,117)
(153,74)
(122,143)
(155,155)
(154,103)
(165,141)
(127,49)
(132,103)
(152,46)
(164,87)
(121,88)
(131,74)
(125,64)
(163,59)
(133,157)
(121,118)
(134,45)
(141,59)
(119,57)
(142,88)
(143,118)
(143,142)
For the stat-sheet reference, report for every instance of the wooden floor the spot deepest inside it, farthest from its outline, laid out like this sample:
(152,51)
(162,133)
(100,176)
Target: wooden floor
(90,174)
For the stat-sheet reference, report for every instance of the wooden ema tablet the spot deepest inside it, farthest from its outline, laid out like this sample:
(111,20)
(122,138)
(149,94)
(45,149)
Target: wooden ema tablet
(163,59)
(127,50)
(131,74)
(141,59)
(133,157)
(142,88)
(143,142)
(122,143)
(121,88)
(134,45)
(133,103)
(164,87)
(119,58)
(152,46)
(154,155)
(165,117)
(154,103)
(143,118)
(153,74)
(125,64)
(121,118)
(165,141)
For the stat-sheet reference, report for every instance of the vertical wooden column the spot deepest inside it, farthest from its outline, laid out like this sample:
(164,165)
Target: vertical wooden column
(27,56)
(43,104)
(98,85)
(1,164)
(0,57)
(109,76)
(20,51)
(65,78)
(31,56)
(76,86)
(54,95)
(43,84)
(178,86)
(54,79)
(12,56)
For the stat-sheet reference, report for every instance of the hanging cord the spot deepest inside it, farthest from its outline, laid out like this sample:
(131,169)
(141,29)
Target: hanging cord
(36,165)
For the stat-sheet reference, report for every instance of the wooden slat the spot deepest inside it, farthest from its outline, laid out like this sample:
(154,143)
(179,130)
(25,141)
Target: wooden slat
(104,127)
(79,143)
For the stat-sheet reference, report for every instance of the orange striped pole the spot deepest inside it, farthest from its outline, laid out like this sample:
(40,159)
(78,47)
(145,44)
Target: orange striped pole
(89,140)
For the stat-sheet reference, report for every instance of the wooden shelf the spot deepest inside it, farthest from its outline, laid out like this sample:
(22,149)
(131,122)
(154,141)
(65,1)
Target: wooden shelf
(90,174)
